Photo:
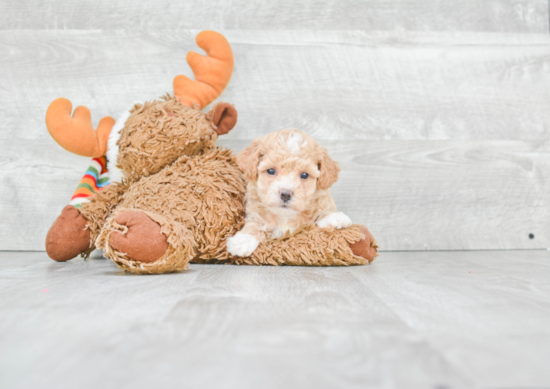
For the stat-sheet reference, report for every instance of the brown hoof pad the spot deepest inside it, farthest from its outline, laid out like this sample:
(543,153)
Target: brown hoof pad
(366,248)
(143,241)
(68,236)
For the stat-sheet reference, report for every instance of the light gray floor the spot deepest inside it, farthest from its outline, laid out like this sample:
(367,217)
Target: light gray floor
(410,320)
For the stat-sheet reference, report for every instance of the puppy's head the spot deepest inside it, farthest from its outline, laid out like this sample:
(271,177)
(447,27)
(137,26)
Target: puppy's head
(287,167)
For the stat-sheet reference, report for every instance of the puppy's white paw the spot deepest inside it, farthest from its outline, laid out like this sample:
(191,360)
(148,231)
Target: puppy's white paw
(242,245)
(336,219)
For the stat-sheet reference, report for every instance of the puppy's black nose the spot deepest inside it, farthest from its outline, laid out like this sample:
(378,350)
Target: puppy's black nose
(286,195)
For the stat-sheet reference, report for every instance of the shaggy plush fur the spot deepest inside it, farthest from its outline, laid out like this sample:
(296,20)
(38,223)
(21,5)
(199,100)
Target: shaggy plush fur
(159,132)
(198,202)
(175,175)
(313,246)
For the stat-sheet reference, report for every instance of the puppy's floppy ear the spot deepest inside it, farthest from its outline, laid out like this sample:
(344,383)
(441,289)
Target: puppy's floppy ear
(223,116)
(248,160)
(329,171)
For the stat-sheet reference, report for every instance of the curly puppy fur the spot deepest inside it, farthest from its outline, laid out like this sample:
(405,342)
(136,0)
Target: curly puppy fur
(289,175)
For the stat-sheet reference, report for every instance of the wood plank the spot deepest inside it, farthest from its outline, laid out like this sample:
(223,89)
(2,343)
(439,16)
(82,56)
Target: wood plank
(409,320)
(352,87)
(334,85)
(436,15)
(37,179)
(469,300)
(413,195)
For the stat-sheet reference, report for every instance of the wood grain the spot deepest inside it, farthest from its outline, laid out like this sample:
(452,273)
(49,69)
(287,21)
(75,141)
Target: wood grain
(442,135)
(409,320)
(435,15)
(334,85)
(413,195)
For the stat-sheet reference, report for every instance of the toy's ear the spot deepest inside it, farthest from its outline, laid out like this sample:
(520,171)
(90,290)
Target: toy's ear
(329,171)
(248,160)
(223,117)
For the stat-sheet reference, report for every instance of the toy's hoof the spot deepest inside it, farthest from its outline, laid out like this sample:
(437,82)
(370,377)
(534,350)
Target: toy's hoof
(366,248)
(68,235)
(143,241)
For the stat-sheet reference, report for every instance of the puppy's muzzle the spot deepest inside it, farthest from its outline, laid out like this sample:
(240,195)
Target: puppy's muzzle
(286,195)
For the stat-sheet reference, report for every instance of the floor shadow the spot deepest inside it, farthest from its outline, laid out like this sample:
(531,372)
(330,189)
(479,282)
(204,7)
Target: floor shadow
(122,273)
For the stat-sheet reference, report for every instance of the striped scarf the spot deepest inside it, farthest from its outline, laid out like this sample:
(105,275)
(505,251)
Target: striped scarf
(95,179)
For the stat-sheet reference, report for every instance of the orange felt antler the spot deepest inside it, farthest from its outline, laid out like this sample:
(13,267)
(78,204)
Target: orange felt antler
(76,133)
(212,73)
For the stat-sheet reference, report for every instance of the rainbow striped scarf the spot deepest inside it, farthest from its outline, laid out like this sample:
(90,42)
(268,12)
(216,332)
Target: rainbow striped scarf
(95,179)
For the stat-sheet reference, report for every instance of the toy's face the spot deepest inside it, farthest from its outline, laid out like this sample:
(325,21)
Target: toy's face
(159,132)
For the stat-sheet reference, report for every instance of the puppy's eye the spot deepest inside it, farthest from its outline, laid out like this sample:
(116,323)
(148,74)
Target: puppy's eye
(304,176)
(271,172)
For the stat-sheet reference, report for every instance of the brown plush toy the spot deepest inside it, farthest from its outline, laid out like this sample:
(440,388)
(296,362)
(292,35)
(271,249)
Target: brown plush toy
(175,197)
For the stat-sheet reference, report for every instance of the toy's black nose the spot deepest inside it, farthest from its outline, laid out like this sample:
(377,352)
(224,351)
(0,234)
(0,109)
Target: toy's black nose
(286,195)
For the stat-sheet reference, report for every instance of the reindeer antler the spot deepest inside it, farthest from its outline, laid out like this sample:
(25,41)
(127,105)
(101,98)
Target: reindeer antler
(76,133)
(212,73)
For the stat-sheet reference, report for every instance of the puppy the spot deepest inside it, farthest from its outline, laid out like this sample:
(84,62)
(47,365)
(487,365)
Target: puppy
(288,176)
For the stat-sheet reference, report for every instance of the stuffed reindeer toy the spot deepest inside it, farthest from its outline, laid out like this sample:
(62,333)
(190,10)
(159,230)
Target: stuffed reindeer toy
(174,197)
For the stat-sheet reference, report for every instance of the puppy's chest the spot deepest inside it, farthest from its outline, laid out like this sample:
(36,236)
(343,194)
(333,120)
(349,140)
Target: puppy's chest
(278,226)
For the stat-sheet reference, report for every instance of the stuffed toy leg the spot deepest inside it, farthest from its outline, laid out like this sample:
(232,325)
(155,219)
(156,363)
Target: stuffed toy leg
(314,246)
(75,230)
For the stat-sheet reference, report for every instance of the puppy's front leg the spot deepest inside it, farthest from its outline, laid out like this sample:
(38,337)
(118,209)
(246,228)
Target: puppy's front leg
(244,242)
(335,219)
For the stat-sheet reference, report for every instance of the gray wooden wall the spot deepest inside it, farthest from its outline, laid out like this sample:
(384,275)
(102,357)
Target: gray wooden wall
(438,110)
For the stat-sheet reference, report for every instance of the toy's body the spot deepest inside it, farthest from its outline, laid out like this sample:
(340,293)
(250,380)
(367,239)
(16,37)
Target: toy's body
(178,201)
(175,197)
(198,203)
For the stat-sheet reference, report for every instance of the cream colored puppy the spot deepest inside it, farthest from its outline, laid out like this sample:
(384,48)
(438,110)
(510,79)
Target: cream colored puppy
(288,176)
